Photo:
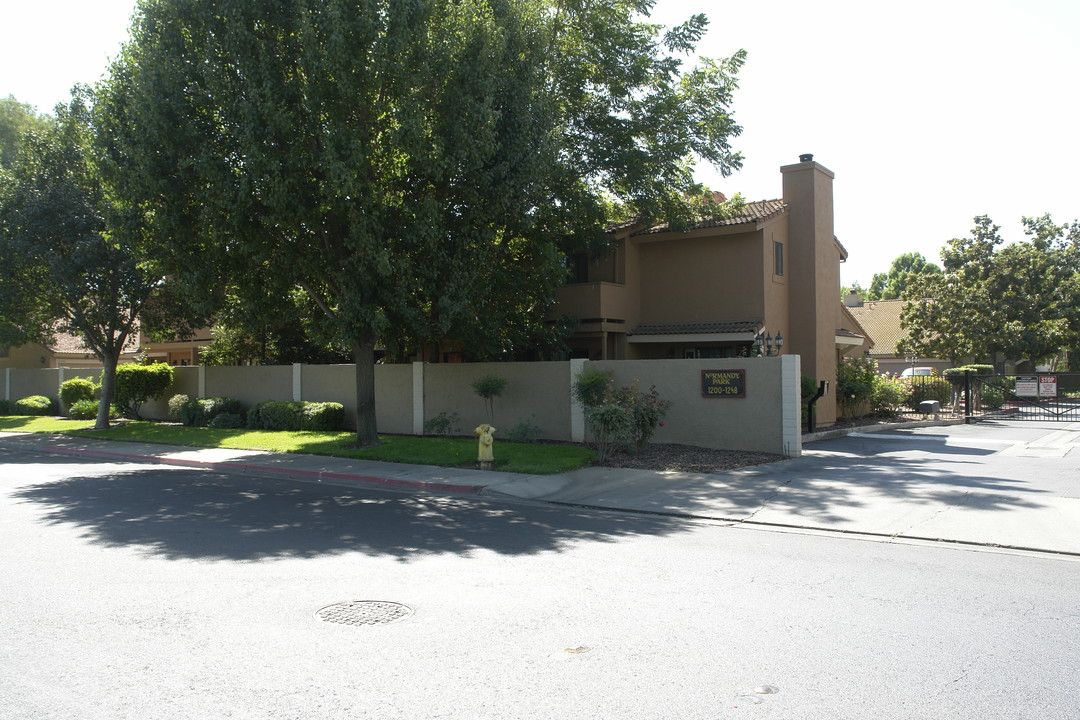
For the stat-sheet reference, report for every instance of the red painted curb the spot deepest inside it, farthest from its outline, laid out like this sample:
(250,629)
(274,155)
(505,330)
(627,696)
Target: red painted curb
(319,475)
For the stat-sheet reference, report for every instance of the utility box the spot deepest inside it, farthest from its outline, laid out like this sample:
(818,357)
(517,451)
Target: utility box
(930,407)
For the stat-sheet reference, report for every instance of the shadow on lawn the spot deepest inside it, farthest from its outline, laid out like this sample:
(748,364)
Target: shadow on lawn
(193,514)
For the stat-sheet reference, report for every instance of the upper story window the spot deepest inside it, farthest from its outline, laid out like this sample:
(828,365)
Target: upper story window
(578,264)
(778,258)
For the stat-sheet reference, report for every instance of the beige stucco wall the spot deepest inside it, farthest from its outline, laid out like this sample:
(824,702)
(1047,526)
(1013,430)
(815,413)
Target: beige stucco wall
(185,382)
(536,392)
(755,422)
(28,357)
(331,383)
(393,399)
(699,277)
(249,384)
(777,298)
(25,382)
(539,393)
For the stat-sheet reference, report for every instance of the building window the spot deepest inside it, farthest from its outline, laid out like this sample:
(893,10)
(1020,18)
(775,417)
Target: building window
(3,351)
(578,265)
(778,258)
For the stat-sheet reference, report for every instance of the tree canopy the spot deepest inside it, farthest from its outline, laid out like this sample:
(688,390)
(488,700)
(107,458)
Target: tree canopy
(69,246)
(895,283)
(1021,300)
(17,119)
(416,167)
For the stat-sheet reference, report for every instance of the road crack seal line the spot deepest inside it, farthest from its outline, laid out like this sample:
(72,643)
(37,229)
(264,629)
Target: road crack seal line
(939,513)
(766,501)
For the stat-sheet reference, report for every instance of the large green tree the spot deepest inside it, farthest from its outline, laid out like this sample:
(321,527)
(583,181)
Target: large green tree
(896,283)
(69,249)
(16,120)
(1036,292)
(417,167)
(1021,300)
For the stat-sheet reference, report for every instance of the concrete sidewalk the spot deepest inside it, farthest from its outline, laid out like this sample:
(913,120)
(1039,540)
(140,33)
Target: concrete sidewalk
(1013,486)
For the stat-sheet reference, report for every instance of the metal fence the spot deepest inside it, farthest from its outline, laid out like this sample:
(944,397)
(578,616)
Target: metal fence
(1044,396)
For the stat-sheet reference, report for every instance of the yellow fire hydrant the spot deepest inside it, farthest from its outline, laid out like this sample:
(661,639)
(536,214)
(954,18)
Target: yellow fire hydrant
(486,455)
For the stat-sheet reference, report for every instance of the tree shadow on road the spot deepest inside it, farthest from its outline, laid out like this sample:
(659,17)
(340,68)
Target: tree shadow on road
(181,513)
(825,490)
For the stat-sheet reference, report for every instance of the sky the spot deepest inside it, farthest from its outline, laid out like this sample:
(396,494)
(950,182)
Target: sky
(929,112)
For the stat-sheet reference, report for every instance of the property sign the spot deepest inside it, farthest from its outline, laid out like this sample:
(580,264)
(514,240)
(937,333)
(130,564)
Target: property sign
(1027,386)
(723,383)
(1048,386)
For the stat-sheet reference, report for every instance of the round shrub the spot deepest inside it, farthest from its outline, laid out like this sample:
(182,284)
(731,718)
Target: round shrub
(227,420)
(88,410)
(35,405)
(76,389)
(176,406)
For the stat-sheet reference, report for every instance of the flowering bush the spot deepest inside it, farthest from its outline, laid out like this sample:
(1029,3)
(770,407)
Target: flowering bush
(860,389)
(646,409)
(619,418)
(890,393)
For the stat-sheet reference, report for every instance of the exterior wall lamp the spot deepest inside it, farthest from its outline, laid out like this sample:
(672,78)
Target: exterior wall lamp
(764,343)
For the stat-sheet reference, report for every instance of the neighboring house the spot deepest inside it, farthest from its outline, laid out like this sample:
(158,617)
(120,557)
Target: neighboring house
(881,320)
(65,351)
(178,352)
(707,292)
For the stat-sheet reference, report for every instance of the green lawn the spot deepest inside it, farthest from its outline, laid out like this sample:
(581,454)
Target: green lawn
(446,452)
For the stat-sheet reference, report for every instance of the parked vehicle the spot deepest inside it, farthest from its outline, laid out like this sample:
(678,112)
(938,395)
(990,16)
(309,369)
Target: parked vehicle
(917,372)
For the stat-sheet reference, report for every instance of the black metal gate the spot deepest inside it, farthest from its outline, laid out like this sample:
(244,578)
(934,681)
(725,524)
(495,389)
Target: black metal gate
(1042,396)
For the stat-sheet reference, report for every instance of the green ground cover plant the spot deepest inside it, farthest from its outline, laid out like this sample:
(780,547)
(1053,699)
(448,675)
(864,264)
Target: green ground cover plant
(539,459)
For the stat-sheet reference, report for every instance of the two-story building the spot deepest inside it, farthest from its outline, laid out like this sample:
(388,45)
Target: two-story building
(771,272)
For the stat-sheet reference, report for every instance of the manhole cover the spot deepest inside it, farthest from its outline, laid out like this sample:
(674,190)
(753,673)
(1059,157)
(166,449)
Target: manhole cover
(363,612)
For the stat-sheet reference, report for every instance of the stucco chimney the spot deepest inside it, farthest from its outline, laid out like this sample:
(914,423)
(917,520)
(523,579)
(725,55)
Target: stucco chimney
(853,300)
(814,280)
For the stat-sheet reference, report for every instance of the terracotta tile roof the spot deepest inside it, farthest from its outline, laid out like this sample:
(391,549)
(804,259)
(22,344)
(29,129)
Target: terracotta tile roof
(881,320)
(68,344)
(697,328)
(751,213)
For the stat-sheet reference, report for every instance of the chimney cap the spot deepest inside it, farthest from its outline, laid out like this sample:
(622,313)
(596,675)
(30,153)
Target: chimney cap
(806,157)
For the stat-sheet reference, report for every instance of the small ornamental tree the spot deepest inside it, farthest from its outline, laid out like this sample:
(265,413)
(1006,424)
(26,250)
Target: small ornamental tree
(489,387)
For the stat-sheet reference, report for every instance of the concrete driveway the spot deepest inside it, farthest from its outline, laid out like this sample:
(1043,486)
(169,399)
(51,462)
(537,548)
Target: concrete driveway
(1008,484)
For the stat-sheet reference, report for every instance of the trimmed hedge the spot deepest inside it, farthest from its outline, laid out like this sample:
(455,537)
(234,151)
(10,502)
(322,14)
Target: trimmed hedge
(296,415)
(34,405)
(201,412)
(7,407)
(956,374)
(929,388)
(136,384)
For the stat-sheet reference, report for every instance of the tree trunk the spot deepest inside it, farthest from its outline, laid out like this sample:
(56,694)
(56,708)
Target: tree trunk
(364,358)
(108,385)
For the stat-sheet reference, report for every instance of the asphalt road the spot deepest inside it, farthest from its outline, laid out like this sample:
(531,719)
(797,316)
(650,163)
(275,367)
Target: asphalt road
(136,591)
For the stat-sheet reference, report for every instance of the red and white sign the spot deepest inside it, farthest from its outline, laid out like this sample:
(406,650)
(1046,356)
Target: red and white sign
(1048,386)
